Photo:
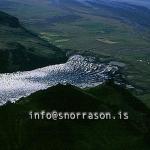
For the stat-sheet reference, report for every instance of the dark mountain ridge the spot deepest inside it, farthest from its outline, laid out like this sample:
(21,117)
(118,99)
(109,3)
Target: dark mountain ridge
(9,20)
(19,132)
(20,49)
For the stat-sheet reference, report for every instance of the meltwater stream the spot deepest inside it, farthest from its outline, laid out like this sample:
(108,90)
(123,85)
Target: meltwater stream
(79,71)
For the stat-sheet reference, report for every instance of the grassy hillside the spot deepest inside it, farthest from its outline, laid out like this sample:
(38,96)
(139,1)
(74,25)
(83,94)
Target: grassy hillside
(17,131)
(114,30)
(20,49)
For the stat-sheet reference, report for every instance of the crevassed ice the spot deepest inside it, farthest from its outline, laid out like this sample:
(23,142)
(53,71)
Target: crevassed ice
(79,71)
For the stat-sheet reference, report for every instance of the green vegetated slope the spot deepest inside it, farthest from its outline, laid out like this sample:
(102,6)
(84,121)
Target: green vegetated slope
(20,49)
(17,131)
(111,30)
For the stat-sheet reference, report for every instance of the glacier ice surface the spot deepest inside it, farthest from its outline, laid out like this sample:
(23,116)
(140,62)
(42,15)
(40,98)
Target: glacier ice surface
(79,71)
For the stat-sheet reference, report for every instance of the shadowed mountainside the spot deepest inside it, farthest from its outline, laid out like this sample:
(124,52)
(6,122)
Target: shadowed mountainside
(110,29)
(17,131)
(21,49)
